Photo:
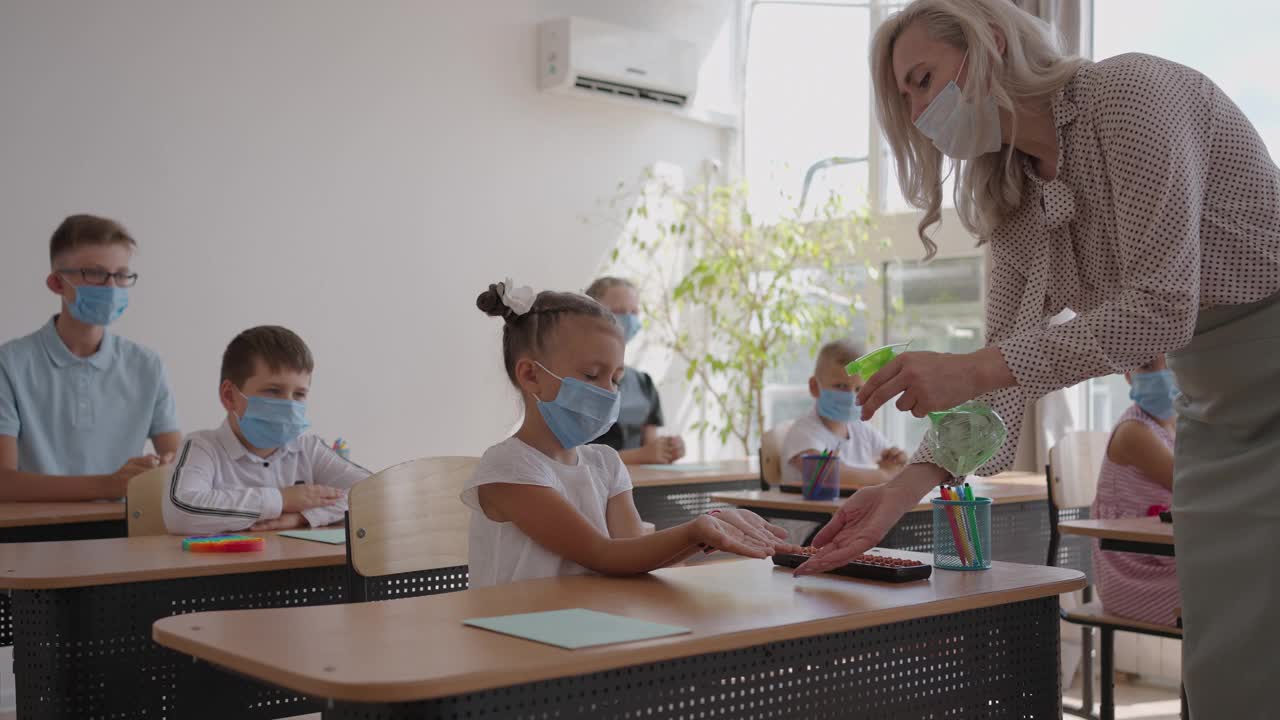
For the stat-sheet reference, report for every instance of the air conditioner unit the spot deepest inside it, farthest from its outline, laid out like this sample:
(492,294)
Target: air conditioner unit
(588,57)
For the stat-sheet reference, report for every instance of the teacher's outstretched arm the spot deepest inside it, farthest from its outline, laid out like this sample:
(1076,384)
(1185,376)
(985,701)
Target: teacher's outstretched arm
(867,517)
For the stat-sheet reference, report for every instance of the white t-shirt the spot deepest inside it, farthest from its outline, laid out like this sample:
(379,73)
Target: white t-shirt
(862,447)
(501,552)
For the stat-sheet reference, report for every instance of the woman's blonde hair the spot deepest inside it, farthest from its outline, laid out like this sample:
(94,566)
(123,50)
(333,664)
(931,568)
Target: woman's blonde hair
(1032,68)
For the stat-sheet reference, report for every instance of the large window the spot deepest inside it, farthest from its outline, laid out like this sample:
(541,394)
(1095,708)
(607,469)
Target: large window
(807,91)
(808,112)
(936,306)
(1230,42)
(808,107)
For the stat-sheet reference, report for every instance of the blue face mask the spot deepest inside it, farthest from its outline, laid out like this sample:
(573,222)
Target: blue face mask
(1154,392)
(630,323)
(99,304)
(580,412)
(837,405)
(270,423)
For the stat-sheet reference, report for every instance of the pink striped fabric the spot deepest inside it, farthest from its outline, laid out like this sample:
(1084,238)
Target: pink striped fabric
(1132,585)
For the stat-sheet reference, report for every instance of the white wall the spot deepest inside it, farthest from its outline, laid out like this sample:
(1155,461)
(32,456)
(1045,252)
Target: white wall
(357,171)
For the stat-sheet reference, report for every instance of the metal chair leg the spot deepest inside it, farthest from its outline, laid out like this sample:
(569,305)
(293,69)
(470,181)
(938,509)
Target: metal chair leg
(1086,678)
(1086,658)
(1108,680)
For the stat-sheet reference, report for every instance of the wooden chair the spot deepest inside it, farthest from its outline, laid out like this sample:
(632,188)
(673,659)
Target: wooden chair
(771,455)
(143,499)
(1074,465)
(407,530)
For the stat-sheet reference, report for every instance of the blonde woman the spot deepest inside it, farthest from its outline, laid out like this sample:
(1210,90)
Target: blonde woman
(1134,192)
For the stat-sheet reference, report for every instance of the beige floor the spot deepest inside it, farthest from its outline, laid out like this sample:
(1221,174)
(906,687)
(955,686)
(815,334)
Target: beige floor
(1134,699)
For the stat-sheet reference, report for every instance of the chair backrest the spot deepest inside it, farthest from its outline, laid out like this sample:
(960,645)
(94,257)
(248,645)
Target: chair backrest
(1074,464)
(409,517)
(771,454)
(143,499)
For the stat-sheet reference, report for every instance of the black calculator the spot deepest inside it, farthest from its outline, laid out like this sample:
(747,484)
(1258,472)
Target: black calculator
(867,567)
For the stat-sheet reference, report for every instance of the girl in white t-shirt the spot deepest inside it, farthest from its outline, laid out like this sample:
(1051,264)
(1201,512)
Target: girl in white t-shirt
(545,504)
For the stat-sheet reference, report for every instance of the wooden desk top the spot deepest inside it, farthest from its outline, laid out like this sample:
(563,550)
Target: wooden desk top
(81,563)
(725,471)
(1023,478)
(999,492)
(382,651)
(1143,529)
(27,514)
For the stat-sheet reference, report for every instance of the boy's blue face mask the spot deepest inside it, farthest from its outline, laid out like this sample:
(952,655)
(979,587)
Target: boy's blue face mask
(99,304)
(580,412)
(838,405)
(1154,392)
(270,423)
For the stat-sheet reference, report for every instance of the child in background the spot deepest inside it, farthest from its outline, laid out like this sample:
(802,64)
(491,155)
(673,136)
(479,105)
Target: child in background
(546,504)
(866,458)
(635,434)
(1136,475)
(78,403)
(258,471)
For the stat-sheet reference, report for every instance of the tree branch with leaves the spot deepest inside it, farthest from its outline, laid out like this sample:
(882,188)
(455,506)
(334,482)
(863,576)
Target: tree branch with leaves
(732,296)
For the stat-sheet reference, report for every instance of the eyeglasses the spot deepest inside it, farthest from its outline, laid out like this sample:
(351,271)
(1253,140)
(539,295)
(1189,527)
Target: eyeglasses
(95,276)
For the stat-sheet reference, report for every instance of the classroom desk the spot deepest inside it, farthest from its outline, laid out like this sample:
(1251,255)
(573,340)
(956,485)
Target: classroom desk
(83,611)
(1019,517)
(763,644)
(667,496)
(1137,535)
(35,521)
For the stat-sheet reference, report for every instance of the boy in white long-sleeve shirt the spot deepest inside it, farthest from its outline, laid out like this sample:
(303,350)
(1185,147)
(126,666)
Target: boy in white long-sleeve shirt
(258,471)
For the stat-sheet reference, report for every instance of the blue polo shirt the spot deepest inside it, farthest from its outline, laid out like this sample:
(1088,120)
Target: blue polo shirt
(81,416)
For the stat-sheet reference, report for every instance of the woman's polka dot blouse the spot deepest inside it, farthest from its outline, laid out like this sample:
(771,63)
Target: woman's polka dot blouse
(1166,201)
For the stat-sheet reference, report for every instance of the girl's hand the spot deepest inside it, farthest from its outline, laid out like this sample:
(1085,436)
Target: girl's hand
(712,532)
(757,528)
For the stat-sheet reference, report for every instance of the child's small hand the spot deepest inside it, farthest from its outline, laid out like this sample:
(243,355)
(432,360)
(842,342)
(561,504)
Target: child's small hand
(757,528)
(305,497)
(131,468)
(676,443)
(892,460)
(710,531)
(658,452)
(287,521)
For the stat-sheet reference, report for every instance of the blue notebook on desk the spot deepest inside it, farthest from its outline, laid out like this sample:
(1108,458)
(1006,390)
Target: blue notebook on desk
(575,628)
(330,537)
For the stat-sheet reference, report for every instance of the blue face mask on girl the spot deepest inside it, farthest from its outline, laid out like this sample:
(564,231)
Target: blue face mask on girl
(580,412)
(1154,392)
(838,405)
(270,423)
(99,304)
(630,323)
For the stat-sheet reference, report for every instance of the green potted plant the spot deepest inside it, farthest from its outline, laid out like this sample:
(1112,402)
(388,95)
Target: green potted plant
(733,297)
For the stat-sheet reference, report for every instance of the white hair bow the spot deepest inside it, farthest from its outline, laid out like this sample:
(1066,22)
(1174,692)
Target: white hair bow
(518,299)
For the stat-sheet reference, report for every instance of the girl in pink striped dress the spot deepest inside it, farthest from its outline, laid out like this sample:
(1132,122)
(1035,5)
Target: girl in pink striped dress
(1137,474)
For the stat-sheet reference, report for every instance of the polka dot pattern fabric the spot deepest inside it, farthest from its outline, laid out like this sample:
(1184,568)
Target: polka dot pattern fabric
(1166,201)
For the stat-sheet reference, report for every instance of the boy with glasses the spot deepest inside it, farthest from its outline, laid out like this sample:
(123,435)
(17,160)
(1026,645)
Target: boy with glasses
(77,404)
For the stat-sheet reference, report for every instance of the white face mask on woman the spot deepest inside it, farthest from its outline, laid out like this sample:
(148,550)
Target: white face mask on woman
(961,129)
